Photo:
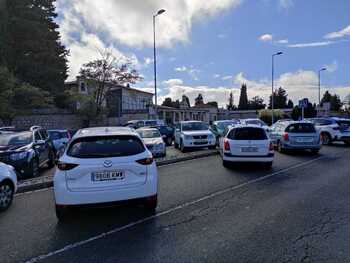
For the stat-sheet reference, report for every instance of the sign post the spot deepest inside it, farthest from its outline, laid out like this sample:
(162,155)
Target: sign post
(303,104)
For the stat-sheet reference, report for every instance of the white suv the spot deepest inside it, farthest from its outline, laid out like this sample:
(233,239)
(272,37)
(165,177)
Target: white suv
(333,129)
(104,165)
(8,185)
(193,134)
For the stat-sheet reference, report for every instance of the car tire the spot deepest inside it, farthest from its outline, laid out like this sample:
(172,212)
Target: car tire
(182,147)
(315,151)
(280,147)
(213,147)
(268,165)
(226,164)
(347,143)
(51,161)
(169,141)
(150,203)
(34,168)
(61,213)
(176,146)
(6,195)
(326,138)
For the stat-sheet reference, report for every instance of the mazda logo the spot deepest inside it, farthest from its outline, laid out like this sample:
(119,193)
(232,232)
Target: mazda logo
(107,163)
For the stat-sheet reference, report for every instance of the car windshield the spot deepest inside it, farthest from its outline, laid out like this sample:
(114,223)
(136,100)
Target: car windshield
(255,122)
(195,126)
(301,128)
(55,135)
(101,147)
(16,138)
(223,124)
(149,133)
(247,133)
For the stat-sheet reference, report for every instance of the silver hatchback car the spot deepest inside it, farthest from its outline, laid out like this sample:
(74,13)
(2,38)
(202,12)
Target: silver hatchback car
(295,135)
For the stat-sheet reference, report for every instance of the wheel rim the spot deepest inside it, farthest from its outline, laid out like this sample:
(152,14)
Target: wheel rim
(5,195)
(325,139)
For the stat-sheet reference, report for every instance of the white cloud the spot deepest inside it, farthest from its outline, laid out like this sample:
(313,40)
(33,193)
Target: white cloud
(215,76)
(147,60)
(266,38)
(286,3)
(312,44)
(282,41)
(173,82)
(331,67)
(181,69)
(226,78)
(338,34)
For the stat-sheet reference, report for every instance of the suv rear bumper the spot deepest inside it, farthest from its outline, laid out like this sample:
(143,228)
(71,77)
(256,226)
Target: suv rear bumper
(238,158)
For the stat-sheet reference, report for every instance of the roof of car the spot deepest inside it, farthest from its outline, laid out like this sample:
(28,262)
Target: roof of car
(190,121)
(147,128)
(57,130)
(104,131)
(247,125)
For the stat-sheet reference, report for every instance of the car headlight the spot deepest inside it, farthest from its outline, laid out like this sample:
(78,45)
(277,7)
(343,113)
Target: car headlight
(18,156)
(188,137)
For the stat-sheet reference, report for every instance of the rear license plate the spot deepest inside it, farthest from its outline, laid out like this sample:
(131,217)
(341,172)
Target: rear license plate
(304,139)
(249,149)
(107,176)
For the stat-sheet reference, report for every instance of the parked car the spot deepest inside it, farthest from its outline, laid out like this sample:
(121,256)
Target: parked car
(333,129)
(143,123)
(193,134)
(248,143)
(257,122)
(59,138)
(153,140)
(167,133)
(218,127)
(105,165)
(27,151)
(296,135)
(8,185)
(7,129)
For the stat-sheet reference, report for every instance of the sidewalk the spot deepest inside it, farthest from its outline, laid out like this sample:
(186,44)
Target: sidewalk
(173,156)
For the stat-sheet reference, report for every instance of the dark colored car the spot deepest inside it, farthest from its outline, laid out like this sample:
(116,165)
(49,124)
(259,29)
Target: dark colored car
(27,151)
(218,127)
(167,133)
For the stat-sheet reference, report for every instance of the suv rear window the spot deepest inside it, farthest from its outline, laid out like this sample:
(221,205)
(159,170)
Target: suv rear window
(105,146)
(301,128)
(247,133)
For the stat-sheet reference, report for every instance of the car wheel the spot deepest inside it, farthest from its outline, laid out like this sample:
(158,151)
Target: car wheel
(326,138)
(347,143)
(268,165)
(213,147)
(182,147)
(280,147)
(6,195)
(150,203)
(34,166)
(226,164)
(169,141)
(51,162)
(176,146)
(61,213)
(315,151)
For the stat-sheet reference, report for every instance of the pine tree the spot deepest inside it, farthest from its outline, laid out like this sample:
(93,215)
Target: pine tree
(230,105)
(32,49)
(243,99)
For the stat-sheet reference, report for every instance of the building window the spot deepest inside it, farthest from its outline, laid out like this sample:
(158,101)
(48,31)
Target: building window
(83,88)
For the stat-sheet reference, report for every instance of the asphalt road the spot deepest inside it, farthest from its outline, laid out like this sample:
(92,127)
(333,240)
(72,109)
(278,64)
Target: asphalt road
(297,212)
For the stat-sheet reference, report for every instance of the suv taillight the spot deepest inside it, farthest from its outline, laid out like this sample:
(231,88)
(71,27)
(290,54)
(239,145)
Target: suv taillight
(66,166)
(226,145)
(286,136)
(145,161)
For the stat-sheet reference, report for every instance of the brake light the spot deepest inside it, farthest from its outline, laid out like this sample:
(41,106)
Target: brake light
(145,161)
(286,136)
(271,147)
(66,166)
(226,145)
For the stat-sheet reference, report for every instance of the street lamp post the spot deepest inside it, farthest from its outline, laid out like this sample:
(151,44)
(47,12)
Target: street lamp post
(319,86)
(161,11)
(272,95)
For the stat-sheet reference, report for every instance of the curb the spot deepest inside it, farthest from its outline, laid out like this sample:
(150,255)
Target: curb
(48,182)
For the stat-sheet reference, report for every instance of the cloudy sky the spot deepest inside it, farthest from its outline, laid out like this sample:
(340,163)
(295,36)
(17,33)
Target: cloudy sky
(213,46)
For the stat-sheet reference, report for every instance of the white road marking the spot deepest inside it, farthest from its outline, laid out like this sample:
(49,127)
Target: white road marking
(138,222)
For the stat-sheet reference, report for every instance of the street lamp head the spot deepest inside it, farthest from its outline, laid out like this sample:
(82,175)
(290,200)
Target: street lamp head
(161,11)
(279,53)
(322,69)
